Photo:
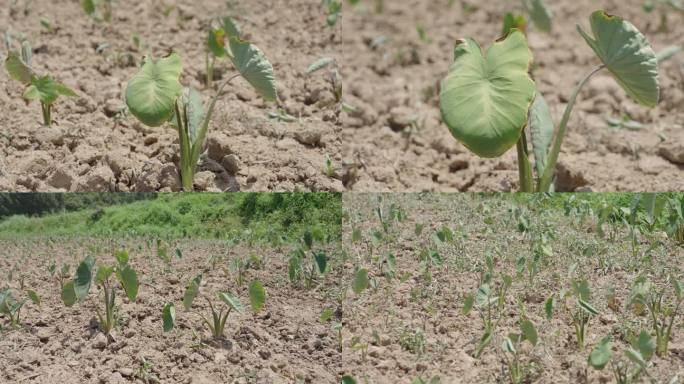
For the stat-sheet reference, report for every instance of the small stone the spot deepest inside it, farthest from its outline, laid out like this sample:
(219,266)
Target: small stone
(100,341)
(264,353)
(673,150)
(204,180)
(400,118)
(113,106)
(218,146)
(61,179)
(43,335)
(126,372)
(231,163)
(310,135)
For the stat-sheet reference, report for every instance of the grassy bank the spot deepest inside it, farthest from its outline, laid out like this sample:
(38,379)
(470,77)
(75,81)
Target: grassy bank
(215,216)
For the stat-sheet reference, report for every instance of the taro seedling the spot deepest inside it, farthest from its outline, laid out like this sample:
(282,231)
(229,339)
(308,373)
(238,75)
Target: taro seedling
(155,96)
(42,88)
(511,348)
(625,371)
(98,9)
(487,100)
(334,11)
(308,268)
(219,315)
(11,307)
(583,311)
(490,303)
(77,289)
(663,312)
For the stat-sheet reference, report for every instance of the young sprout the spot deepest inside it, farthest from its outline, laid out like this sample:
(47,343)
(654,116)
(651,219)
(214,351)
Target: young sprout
(487,101)
(583,310)
(98,9)
(297,268)
(11,307)
(627,371)
(77,289)
(216,45)
(155,96)
(43,88)
(334,10)
(663,313)
(511,346)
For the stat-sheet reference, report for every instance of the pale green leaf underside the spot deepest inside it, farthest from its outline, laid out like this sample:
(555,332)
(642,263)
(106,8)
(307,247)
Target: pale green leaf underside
(17,69)
(231,300)
(627,55)
(152,92)
(485,100)
(254,67)
(541,129)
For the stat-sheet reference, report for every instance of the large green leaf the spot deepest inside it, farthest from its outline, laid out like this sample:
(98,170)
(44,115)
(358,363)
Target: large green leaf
(485,99)
(360,282)
(626,54)
(129,281)
(541,129)
(152,92)
(83,278)
(17,69)
(191,292)
(43,89)
(254,67)
(541,15)
(257,295)
(601,354)
(68,294)
(231,300)
(169,316)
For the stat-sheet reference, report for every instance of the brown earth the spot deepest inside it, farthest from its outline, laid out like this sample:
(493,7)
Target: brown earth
(392,80)
(285,342)
(94,147)
(413,326)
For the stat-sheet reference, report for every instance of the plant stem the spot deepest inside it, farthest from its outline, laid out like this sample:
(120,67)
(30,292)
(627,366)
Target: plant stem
(187,169)
(545,180)
(524,168)
(47,119)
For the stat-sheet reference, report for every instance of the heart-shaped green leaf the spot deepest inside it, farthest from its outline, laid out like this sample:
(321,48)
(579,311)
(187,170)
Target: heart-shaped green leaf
(540,14)
(191,292)
(529,331)
(601,354)
(129,281)
(257,295)
(43,89)
(68,294)
(152,92)
(626,54)
(83,278)
(485,99)
(360,282)
(103,273)
(17,69)
(169,316)
(231,300)
(541,129)
(254,67)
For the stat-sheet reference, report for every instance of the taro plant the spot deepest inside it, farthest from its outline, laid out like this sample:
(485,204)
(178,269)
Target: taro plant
(647,297)
(583,310)
(487,100)
(629,370)
(77,289)
(307,268)
(37,87)
(490,302)
(98,10)
(511,348)
(219,315)
(11,307)
(155,96)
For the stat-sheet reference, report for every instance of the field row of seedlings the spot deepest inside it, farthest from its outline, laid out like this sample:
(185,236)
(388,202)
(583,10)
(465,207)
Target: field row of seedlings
(160,95)
(157,310)
(504,95)
(514,289)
